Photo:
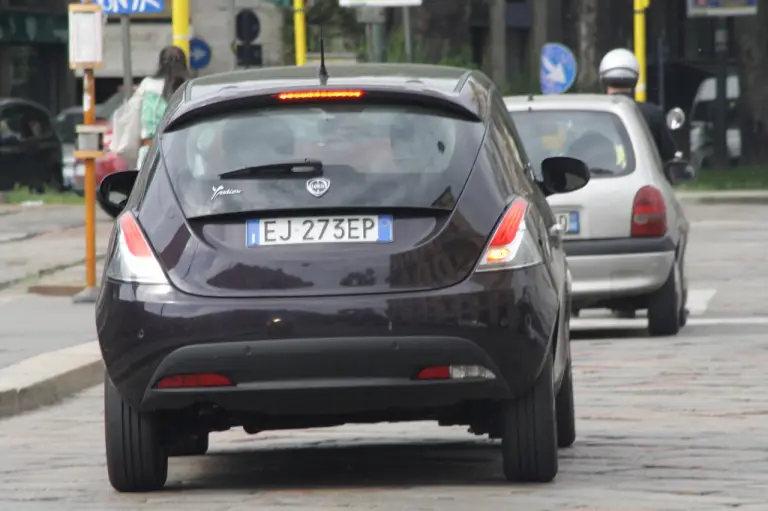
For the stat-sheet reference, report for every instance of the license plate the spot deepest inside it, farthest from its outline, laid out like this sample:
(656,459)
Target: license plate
(569,221)
(324,229)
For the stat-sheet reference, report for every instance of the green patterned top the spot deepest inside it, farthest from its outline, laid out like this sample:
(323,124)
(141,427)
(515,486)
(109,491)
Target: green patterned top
(153,106)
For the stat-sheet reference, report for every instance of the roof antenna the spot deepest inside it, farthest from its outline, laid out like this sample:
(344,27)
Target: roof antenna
(323,72)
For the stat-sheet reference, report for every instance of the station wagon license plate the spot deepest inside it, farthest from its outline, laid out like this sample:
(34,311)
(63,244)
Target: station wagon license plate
(325,229)
(569,221)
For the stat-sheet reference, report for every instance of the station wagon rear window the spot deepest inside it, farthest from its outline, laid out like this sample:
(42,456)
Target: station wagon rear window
(597,138)
(371,155)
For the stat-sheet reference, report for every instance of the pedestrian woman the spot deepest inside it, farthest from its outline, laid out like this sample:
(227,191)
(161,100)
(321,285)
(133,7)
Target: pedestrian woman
(155,92)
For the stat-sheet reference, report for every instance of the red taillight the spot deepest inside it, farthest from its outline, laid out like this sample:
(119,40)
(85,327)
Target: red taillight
(649,213)
(456,372)
(320,94)
(434,373)
(510,224)
(511,245)
(134,239)
(185,381)
(133,259)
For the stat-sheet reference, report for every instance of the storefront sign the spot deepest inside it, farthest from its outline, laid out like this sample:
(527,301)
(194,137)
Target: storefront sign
(719,8)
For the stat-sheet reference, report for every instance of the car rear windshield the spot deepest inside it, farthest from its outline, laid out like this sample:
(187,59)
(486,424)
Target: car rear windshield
(372,156)
(597,138)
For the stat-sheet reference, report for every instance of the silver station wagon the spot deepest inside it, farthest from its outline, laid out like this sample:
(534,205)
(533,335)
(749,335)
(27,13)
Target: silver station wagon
(624,233)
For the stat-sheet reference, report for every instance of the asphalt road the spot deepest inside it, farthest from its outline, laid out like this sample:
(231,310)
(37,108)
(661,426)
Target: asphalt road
(663,424)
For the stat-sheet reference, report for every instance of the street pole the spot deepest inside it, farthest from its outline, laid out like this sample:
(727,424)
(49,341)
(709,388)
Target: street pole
(498,22)
(89,155)
(89,119)
(721,96)
(640,48)
(300,32)
(180,24)
(408,34)
(125,33)
(377,34)
(232,8)
(369,42)
(661,47)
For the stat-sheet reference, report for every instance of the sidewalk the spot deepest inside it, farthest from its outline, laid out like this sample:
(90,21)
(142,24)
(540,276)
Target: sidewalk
(48,347)
(47,350)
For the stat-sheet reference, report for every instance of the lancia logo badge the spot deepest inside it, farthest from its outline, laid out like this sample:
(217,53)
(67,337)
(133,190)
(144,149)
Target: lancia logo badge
(318,186)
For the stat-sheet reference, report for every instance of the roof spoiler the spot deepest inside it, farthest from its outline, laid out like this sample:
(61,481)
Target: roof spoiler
(239,100)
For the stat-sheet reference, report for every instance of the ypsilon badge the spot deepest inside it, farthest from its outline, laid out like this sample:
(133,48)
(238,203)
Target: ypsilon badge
(318,186)
(220,190)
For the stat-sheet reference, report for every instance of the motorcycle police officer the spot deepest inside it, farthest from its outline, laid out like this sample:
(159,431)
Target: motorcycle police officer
(619,73)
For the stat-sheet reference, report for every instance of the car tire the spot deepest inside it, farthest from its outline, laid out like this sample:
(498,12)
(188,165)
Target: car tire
(565,409)
(529,433)
(664,306)
(195,445)
(684,299)
(136,458)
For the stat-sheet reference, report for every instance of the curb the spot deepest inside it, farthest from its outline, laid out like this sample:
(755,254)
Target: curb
(66,290)
(44,272)
(32,383)
(725,197)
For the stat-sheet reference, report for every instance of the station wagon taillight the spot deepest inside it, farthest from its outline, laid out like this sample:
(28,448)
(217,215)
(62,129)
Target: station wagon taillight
(649,214)
(133,259)
(512,245)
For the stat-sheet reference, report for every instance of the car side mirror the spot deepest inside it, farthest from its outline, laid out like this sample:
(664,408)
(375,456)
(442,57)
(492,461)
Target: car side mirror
(114,190)
(562,174)
(679,171)
(675,118)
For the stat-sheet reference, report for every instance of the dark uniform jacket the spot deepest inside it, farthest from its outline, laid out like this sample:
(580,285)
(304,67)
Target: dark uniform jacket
(654,117)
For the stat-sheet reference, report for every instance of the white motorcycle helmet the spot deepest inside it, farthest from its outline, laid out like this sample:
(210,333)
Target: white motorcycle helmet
(619,68)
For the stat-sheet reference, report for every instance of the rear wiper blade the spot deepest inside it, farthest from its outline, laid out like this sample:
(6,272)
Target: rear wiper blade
(305,165)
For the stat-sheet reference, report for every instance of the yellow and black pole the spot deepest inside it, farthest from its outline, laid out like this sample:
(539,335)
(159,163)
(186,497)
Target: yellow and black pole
(300,31)
(180,24)
(641,51)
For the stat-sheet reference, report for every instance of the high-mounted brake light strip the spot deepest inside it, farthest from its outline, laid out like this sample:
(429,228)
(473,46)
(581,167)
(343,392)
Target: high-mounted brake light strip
(320,94)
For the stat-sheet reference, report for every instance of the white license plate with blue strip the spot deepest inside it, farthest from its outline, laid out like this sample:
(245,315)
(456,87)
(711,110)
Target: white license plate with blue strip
(570,222)
(321,229)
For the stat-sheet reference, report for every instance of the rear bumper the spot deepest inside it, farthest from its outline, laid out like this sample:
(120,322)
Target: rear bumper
(327,376)
(613,269)
(330,355)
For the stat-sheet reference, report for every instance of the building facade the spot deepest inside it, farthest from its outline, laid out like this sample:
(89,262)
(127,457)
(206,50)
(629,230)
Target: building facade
(33,52)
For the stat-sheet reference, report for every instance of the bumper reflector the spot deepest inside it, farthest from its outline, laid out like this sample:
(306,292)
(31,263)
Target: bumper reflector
(472,372)
(186,381)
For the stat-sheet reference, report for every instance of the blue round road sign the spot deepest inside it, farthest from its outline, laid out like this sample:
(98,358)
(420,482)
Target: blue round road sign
(558,68)
(199,53)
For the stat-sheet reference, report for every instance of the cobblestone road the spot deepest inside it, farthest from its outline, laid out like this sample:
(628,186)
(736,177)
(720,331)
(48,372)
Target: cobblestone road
(664,424)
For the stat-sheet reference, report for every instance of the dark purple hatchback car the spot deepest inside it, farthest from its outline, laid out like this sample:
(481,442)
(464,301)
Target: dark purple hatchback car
(296,253)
